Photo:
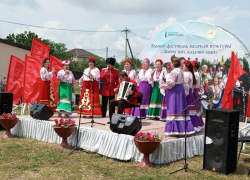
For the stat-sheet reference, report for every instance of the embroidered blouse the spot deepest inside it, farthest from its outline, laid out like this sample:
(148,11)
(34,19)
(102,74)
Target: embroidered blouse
(69,78)
(144,76)
(176,77)
(95,72)
(131,74)
(45,74)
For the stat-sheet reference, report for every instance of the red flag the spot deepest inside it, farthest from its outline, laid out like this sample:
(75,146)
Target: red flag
(235,72)
(39,50)
(14,80)
(57,64)
(32,80)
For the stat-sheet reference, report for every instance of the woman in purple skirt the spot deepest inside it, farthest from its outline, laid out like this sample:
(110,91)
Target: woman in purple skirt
(191,81)
(144,80)
(176,102)
(199,124)
(165,75)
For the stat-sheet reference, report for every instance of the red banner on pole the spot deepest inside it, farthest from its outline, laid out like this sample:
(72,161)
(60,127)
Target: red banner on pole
(32,80)
(39,50)
(57,64)
(15,77)
(235,72)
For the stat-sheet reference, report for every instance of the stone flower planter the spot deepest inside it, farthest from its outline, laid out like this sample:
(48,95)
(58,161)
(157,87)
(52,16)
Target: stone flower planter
(146,148)
(8,124)
(64,133)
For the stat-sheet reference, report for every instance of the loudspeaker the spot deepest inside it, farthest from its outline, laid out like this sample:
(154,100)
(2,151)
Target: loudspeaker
(41,112)
(125,124)
(6,100)
(221,140)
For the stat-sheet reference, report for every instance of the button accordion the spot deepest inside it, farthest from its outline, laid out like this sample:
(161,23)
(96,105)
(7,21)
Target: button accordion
(123,91)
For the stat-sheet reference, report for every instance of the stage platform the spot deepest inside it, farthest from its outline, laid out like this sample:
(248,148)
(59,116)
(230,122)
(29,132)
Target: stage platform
(101,140)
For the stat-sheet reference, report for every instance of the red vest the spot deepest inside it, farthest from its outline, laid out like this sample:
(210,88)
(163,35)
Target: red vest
(111,79)
(136,94)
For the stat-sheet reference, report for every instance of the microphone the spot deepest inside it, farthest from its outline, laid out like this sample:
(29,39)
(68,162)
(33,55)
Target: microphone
(164,79)
(55,70)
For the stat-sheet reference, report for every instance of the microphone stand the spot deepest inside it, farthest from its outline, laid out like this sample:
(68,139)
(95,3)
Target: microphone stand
(93,88)
(77,134)
(185,152)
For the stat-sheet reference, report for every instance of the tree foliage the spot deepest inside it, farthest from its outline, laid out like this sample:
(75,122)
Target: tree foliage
(56,49)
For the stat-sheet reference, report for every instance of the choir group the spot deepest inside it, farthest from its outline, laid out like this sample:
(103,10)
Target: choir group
(165,92)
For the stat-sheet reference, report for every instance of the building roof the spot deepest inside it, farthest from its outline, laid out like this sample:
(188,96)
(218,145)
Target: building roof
(15,44)
(81,53)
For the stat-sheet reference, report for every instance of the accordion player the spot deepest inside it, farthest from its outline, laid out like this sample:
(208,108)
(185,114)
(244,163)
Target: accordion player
(123,91)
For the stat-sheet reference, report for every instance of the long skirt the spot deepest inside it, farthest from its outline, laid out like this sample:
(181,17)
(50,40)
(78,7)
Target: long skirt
(47,96)
(176,103)
(154,110)
(197,103)
(163,116)
(146,89)
(89,105)
(64,99)
(196,118)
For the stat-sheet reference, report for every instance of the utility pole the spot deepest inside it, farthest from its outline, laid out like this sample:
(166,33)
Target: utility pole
(106,52)
(126,39)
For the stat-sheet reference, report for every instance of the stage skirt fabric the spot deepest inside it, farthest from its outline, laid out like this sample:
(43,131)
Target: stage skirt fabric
(196,118)
(88,104)
(163,116)
(47,96)
(146,89)
(176,103)
(154,110)
(65,96)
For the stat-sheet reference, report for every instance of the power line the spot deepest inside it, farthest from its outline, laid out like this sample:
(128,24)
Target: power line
(75,30)
(143,37)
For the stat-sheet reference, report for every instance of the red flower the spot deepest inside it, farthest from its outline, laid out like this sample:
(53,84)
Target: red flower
(5,115)
(187,63)
(56,121)
(151,139)
(14,117)
(73,122)
(61,120)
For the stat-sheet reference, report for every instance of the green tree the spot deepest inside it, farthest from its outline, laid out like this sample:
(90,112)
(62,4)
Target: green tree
(56,49)
(136,64)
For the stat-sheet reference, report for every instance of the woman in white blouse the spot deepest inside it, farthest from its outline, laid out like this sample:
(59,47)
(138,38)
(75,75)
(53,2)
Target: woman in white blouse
(130,72)
(144,80)
(66,87)
(89,83)
(47,95)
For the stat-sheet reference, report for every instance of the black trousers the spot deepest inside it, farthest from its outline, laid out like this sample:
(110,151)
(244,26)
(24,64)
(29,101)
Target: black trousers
(105,100)
(121,106)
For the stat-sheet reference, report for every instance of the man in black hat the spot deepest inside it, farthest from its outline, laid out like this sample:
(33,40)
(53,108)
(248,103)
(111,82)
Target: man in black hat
(110,79)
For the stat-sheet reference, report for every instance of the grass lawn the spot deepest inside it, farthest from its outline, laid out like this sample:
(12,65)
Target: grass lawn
(23,158)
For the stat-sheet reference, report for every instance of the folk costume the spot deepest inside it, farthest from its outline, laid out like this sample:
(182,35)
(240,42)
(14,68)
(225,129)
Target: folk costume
(131,75)
(110,82)
(122,103)
(154,110)
(176,103)
(88,88)
(197,89)
(145,87)
(67,83)
(47,96)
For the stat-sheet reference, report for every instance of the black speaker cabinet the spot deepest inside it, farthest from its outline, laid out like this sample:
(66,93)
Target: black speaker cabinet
(41,111)
(125,124)
(6,100)
(221,140)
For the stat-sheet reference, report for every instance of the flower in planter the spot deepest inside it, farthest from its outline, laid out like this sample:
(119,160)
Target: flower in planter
(11,115)
(154,136)
(64,123)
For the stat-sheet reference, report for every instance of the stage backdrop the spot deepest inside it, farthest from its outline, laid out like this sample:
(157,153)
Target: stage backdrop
(192,39)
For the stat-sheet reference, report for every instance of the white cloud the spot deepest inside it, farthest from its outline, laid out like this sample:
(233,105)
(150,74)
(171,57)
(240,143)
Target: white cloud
(206,19)
(162,26)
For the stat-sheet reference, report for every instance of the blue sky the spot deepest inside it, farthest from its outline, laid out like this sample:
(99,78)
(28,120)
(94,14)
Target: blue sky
(143,17)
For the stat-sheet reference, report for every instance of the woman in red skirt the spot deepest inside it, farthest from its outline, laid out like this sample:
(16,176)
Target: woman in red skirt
(47,96)
(88,105)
